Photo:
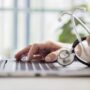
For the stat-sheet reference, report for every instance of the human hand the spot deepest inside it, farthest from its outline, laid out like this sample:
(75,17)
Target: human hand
(45,51)
(48,51)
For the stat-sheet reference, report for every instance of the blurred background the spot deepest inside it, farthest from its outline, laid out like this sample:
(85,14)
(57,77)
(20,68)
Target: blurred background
(23,22)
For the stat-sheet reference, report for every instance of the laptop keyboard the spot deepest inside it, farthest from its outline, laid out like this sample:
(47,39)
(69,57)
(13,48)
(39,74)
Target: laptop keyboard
(14,66)
(27,66)
(35,66)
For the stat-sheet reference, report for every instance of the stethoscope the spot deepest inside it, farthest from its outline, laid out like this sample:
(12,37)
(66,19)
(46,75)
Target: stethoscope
(67,56)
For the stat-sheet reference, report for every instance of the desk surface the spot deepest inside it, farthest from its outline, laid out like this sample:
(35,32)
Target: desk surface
(73,83)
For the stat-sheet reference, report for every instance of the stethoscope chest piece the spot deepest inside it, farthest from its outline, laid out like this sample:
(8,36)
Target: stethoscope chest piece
(65,56)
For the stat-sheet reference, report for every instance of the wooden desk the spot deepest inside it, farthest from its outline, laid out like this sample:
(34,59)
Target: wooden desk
(45,83)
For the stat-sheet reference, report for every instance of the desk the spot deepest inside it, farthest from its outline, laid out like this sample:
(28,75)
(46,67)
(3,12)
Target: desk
(67,83)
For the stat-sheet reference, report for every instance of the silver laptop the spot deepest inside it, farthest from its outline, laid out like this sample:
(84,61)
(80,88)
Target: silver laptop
(12,68)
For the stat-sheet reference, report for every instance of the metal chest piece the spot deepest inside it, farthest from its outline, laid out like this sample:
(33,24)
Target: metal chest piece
(65,57)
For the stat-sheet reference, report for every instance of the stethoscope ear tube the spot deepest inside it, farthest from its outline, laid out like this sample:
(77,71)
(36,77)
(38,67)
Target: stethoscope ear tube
(73,51)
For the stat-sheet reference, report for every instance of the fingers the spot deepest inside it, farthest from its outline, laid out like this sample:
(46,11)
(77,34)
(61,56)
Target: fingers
(39,51)
(36,49)
(33,50)
(22,52)
(52,56)
(38,58)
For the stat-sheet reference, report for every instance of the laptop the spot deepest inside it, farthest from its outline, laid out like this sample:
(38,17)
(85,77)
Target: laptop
(13,68)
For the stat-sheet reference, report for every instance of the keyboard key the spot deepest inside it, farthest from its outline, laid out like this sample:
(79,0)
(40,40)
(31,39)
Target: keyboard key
(52,66)
(2,64)
(17,66)
(22,66)
(44,66)
(9,66)
(36,65)
(29,65)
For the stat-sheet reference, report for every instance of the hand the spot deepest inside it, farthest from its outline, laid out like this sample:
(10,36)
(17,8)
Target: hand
(44,51)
